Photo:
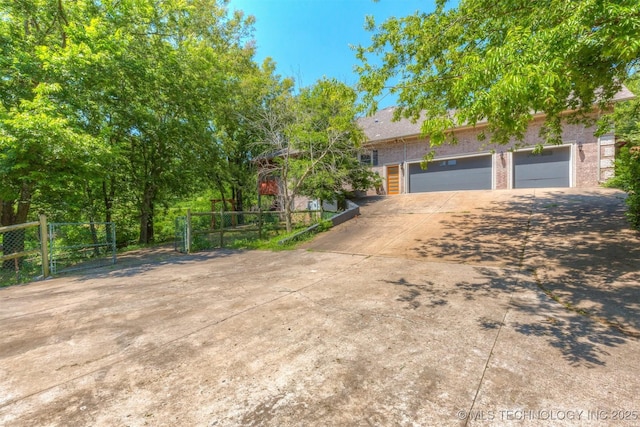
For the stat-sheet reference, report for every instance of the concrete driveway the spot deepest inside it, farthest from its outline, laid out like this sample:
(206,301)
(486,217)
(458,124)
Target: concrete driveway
(459,308)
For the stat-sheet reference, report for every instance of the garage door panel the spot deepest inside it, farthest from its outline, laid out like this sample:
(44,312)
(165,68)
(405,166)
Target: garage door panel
(549,169)
(472,173)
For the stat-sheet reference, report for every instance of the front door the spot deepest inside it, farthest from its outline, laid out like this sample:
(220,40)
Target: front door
(393,180)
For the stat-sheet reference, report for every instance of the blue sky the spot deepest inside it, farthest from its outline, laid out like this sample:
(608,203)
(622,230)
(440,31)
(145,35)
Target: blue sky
(309,39)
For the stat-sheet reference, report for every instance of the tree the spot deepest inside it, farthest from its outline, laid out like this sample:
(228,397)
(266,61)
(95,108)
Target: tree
(36,139)
(627,177)
(502,61)
(148,79)
(310,141)
(119,108)
(237,135)
(41,150)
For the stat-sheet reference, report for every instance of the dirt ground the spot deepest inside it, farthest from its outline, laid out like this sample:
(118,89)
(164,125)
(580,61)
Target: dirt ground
(456,308)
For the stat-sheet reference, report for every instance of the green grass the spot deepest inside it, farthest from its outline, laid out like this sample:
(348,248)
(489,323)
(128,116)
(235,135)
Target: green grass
(272,243)
(29,271)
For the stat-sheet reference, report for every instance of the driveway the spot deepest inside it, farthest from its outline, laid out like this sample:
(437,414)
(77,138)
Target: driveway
(460,308)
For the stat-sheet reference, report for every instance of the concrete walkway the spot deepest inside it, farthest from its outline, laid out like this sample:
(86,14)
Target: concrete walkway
(461,308)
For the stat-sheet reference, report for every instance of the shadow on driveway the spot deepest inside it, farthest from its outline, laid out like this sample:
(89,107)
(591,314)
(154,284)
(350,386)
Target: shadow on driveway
(575,246)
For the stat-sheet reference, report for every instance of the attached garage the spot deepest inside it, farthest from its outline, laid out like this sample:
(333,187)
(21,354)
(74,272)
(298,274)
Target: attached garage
(551,168)
(466,173)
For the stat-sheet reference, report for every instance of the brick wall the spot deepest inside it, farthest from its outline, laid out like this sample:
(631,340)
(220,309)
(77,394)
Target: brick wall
(592,157)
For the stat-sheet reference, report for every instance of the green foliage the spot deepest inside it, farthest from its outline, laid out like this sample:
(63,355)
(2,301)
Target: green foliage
(114,111)
(274,241)
(324,225)
(627,166)
(628,178)
(502,61)
(41,147)
(310,142)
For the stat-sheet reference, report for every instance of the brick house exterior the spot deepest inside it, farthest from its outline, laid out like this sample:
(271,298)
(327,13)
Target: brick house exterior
(395,150)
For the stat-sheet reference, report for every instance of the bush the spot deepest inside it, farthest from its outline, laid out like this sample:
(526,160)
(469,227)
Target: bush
(627,178)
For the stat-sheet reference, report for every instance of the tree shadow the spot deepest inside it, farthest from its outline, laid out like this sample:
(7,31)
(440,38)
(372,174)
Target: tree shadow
(486,235)
(141,261)
(576,247)
(580,340)
(417,295)
(582,253)
(366,201)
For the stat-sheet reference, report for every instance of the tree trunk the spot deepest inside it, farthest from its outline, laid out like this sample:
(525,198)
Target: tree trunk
(288,212)
(108,195)
(92,220)
(146,215)
(237,196)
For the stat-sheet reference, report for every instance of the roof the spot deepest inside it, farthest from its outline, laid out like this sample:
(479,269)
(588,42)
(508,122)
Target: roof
(623,94)
(381,126)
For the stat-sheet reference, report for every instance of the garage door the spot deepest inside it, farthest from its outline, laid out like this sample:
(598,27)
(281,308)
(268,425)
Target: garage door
(469,173)
(548,169)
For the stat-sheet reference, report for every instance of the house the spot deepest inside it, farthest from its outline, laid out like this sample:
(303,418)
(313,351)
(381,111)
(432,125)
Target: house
(395,151)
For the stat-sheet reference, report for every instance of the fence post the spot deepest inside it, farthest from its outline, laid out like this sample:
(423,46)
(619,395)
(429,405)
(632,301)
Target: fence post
(222,226)
(52,267)
(187,243)
(44,245)
(114,246)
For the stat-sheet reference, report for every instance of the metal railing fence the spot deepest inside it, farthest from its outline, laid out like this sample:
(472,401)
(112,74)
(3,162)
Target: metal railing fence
(80,245)
(208,230)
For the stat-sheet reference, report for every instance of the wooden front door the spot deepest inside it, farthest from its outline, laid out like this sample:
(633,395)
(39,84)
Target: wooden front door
(393,180)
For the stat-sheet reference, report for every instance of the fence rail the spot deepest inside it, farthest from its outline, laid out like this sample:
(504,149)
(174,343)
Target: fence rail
(81,245)
(24,252)
(35,250)
(207,230)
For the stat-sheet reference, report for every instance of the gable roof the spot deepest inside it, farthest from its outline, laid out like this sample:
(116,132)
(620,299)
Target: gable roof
(381,126)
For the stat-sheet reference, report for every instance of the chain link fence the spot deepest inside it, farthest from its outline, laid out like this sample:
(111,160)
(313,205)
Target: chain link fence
(75,245)
(209,230)
(181,235)
(21,253)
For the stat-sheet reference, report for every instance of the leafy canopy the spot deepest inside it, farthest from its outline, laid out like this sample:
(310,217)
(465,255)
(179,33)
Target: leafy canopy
(310,142)
(627,178)
(501,61)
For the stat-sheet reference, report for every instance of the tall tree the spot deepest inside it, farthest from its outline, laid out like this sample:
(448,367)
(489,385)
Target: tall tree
(258,86)
(41,150)
(148,78)
(38,144)
(502,61)
(310,141)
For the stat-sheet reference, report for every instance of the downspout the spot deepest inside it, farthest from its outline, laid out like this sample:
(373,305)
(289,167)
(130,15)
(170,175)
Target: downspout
(404,163)
(599,146)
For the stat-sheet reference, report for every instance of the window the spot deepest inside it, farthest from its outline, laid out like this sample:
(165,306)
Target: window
(370,158)
(365,159)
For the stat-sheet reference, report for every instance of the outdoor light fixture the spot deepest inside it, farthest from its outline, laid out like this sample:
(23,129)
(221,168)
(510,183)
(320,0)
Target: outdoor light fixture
(580,146)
